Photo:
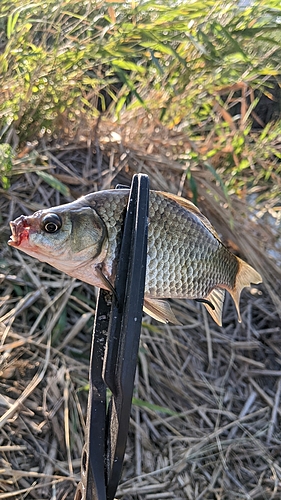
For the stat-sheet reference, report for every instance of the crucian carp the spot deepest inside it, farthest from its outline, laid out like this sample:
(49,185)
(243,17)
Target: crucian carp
(185,257)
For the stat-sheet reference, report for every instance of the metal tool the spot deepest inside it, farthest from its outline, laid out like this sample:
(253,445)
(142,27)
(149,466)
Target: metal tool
(114,356)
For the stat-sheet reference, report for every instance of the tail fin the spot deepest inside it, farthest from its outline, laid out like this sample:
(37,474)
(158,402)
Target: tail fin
(245,276)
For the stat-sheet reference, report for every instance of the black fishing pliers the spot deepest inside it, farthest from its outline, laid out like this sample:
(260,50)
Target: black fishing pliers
(114,356)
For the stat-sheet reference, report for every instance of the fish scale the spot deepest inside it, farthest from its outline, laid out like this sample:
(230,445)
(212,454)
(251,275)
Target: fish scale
(175,264)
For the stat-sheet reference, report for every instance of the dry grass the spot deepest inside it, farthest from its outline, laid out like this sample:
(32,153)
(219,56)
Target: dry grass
(218,433)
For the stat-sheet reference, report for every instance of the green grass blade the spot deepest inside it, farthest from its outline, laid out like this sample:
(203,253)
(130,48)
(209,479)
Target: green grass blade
(153,407)
(53,182)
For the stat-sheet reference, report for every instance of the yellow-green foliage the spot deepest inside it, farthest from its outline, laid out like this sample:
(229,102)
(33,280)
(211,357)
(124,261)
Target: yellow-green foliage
(184,62)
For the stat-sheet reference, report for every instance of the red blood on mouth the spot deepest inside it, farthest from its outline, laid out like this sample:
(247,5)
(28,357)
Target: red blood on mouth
(24,235)
(20,231)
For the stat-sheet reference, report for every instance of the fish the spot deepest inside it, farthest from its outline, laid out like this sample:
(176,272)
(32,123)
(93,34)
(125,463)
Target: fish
(186,259)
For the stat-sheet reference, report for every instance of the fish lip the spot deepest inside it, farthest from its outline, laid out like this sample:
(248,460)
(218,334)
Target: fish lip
(20,229)
(14,238)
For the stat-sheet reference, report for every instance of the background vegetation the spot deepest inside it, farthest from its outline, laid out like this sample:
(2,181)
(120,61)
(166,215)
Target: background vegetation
(188,92)
(201,67)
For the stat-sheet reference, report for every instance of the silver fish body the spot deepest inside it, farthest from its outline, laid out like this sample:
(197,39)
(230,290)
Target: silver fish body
(185,257)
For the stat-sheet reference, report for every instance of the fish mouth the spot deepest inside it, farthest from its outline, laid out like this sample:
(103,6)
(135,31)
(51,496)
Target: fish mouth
(20,231)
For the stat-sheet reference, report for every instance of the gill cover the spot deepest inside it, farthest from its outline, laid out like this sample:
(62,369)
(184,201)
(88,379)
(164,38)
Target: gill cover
(87,230)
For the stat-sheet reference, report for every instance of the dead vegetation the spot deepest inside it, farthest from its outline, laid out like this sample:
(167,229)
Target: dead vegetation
(205,421)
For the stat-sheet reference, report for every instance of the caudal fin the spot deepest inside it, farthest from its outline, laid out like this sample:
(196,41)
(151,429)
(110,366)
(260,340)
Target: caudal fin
(245,276)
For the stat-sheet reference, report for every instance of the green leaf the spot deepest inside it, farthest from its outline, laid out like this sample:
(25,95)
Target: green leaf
(218,178)
(164,48)
(129,65)
(120,103)
(5,182)
(244,163)
(193,186)
(6,164)
(53,182)
(238,51)
(11,23)
(150,406)
(130,84)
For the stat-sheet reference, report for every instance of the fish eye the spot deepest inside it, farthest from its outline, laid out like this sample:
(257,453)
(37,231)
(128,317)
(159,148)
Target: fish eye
(51,223)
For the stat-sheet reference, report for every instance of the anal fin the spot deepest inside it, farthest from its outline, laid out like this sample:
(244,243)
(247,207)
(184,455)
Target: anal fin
(160,310)
(216,298)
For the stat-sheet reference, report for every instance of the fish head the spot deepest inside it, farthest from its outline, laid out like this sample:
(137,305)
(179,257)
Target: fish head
(65,237)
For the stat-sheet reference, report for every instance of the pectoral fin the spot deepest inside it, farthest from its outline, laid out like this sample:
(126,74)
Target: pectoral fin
(216,298)
(160,310)
(105,281)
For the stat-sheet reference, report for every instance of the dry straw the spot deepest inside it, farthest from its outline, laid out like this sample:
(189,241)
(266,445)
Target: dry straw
(205,421)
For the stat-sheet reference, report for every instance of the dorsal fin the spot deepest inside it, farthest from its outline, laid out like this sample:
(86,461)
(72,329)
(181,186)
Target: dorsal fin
(188,205)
